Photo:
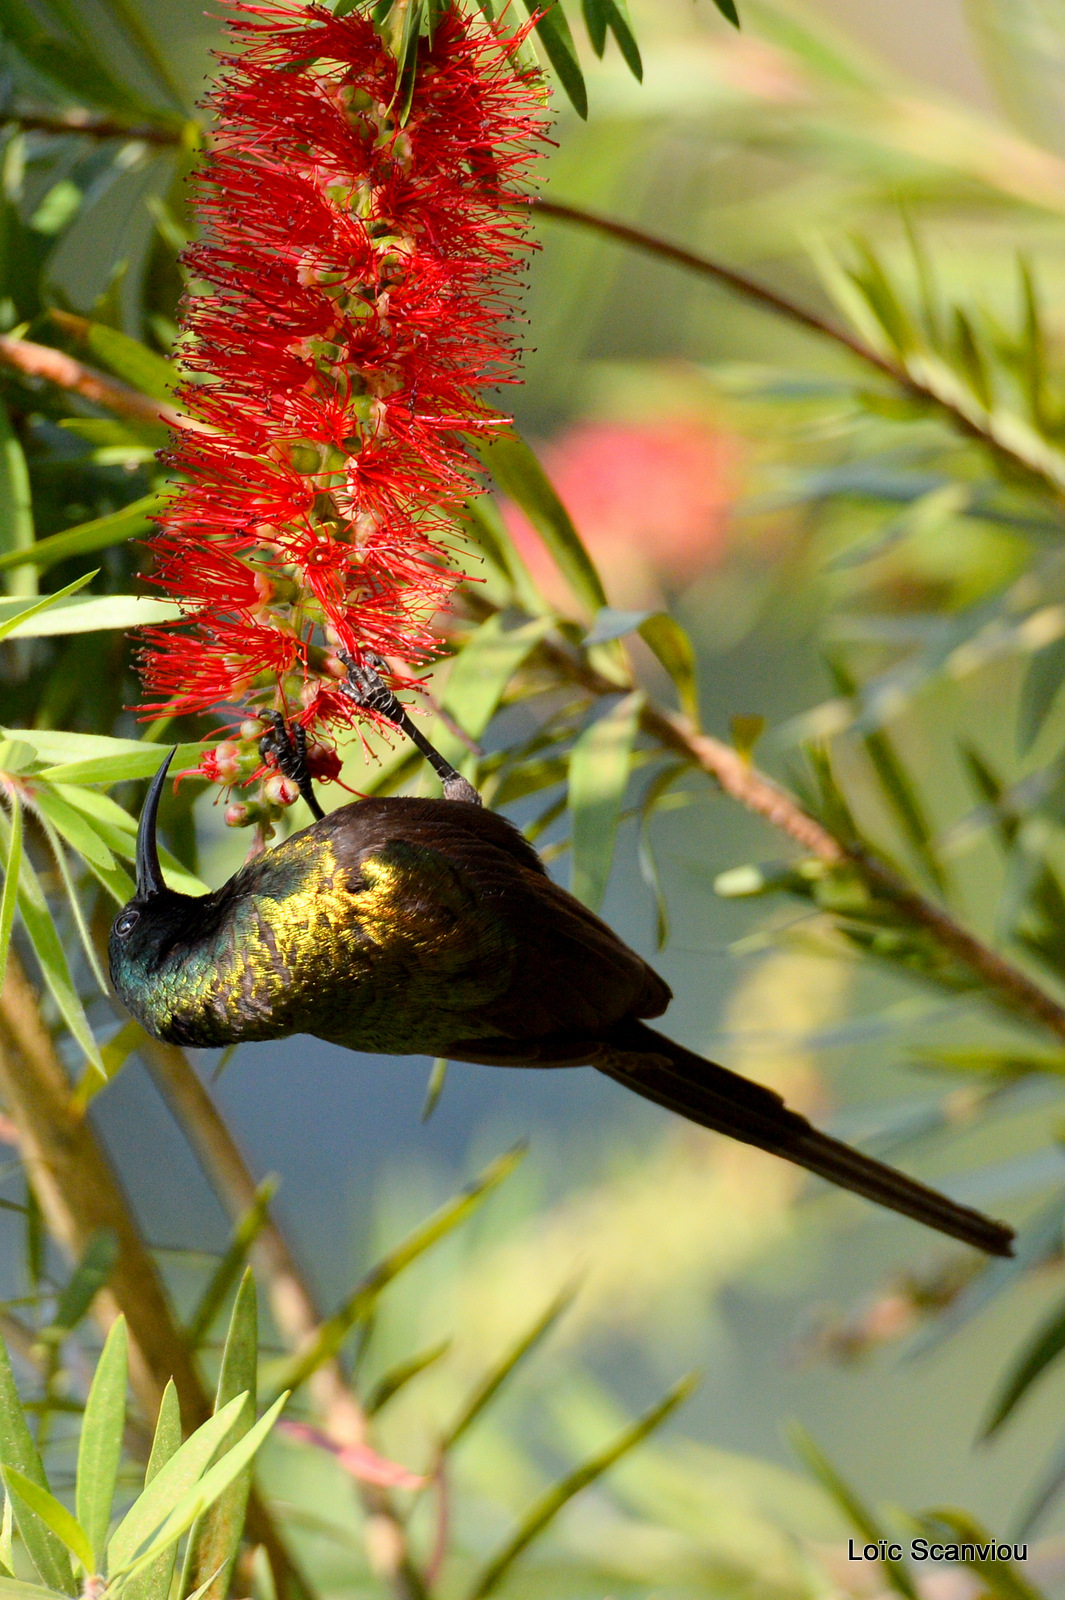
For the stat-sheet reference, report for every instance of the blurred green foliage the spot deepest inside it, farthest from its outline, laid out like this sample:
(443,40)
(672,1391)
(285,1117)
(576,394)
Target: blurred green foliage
(898,406)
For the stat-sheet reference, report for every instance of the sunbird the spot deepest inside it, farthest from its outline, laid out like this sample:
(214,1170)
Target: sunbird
(406,926)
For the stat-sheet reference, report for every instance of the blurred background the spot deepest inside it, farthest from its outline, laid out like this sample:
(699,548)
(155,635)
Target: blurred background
(715,461)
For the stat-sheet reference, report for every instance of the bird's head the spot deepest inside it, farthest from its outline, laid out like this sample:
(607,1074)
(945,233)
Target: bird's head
(140,931)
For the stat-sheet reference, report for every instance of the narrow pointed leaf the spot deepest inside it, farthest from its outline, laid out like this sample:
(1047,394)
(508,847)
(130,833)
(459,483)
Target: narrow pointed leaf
(132,361)
(397,1377)
(856,1512)
(335,1329)
(12,874)
(544,1510)
(435,1087)
(154,1580)
(97,534)
(522,478)
(553,32)
(88,1278)
(1040,1352)
(203,1494)
(16,504)
(100,1443)
(1000,1578)
(216,1541)
(181,1473)
(231,1264)
(664,635)
(26,610)
(497,1375)
(18,1450)
(482,670)
(53,1514)
(598,775)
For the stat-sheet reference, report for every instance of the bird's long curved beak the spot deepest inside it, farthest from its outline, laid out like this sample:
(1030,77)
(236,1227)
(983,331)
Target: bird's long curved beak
(149,873)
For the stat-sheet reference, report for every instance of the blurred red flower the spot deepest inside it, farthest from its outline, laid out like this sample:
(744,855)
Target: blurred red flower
(650,500)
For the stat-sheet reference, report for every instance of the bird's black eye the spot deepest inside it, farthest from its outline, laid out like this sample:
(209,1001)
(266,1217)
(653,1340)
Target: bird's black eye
(126,923)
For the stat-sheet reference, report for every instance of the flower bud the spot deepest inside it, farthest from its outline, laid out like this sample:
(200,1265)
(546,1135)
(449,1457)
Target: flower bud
(279,790)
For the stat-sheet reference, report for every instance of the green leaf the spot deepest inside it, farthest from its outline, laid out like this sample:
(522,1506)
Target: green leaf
(621,27)
(656,790)
(75,66)
(595,20)
(1039,690)
(141,760)
(435,1087)
(16,504)
(203,1494)
(557,41)
(24,610)
(728,10)
(521,477)
(101,532)
(1040,1352)
(485,665)
(335,1329)
(481,519)
(12,1589)
(544,1510)
(53,1514)
(48,948)
(12,874)
(18,1450)
(598,775)
(100,1444)
(74,827)
(498,1374)
(95,613)
(229,1267)
(154,1580)
(1001,1578)
(896,1575)
(175,1478)
(397,1377)
(664,635)
(216,1540)
(89,1276)
(132,361)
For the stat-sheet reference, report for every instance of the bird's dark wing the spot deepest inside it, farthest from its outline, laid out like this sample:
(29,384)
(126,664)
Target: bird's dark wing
(569,974)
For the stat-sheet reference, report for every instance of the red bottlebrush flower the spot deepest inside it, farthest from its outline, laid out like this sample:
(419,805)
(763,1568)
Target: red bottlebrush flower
(354,276)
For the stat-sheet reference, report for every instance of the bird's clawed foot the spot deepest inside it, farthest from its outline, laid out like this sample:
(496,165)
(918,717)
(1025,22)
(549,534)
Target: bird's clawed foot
(367,688)
(288,748)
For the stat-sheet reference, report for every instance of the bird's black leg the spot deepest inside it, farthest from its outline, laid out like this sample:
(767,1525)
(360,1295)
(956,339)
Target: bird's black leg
(368,689)
(288,746)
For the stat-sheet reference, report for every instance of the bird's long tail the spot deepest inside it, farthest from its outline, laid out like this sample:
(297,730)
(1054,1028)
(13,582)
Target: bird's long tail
(660,1070)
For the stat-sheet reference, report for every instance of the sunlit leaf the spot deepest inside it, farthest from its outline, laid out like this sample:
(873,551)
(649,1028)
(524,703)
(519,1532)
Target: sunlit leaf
(18,1450)
(24,610)
(98,534)
(397,1377)
(52,1513)
(543,1512)
(435,1087)
(896,1575)
(100,1441)
(216,1539)
(335,1329)
(498,1374)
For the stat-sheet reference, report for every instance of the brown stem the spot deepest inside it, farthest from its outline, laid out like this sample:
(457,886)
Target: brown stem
(749,288)
(1032,455)
(42,361)
(758,793)
(79,1193)
(291,1301)
(86,127)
